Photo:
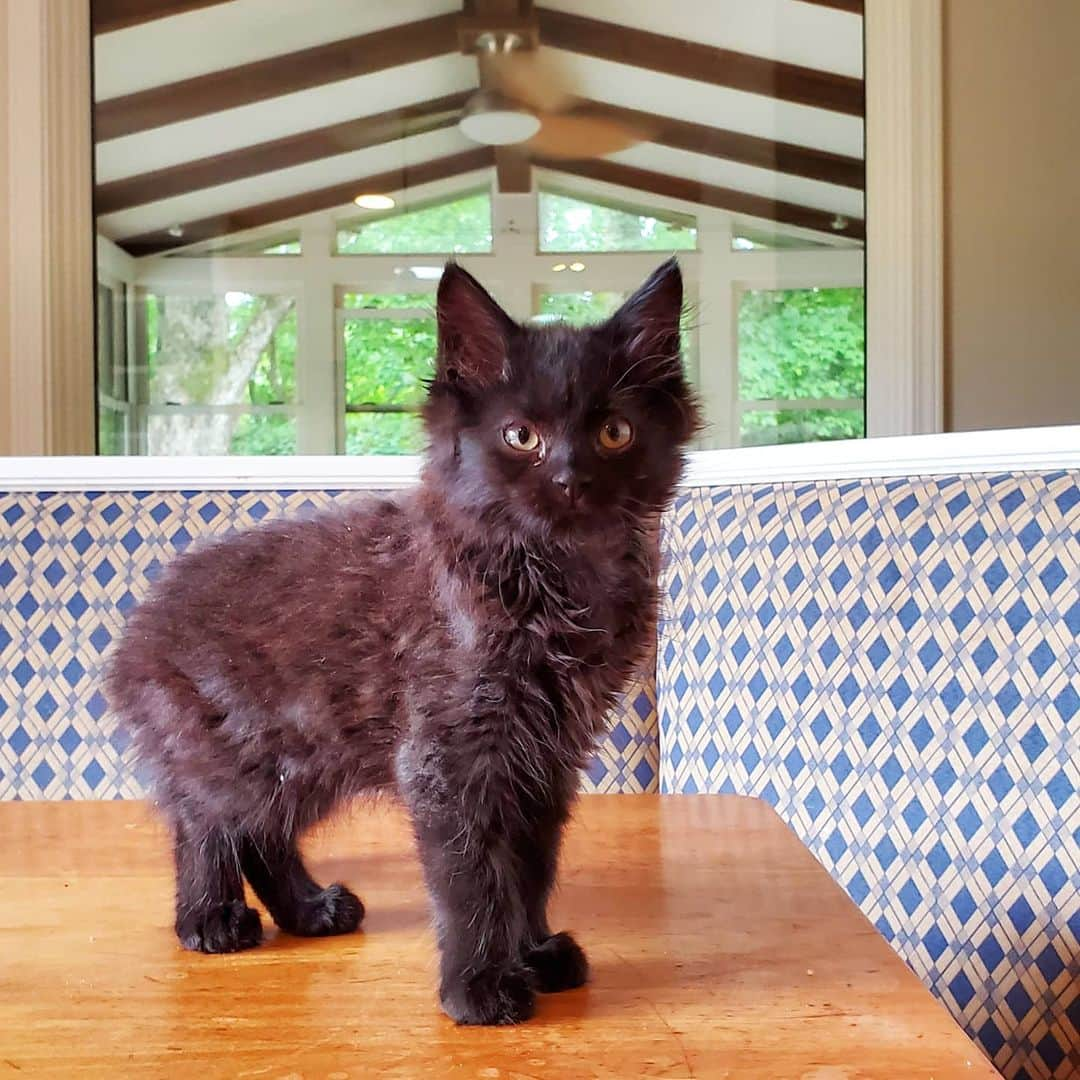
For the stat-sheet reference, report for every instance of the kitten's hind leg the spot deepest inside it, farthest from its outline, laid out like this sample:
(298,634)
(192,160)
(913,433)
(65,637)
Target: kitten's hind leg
(211,915)
(298,904)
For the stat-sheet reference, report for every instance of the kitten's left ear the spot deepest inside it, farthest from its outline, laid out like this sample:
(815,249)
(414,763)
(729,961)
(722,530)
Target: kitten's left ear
(648,322)
(474,332)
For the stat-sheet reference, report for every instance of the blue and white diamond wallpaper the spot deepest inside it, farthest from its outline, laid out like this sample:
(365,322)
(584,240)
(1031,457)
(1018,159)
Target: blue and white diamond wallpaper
(894,665)
(72,564)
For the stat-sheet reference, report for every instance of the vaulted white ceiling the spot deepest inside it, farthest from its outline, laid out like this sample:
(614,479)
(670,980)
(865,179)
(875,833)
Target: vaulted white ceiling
(222,36)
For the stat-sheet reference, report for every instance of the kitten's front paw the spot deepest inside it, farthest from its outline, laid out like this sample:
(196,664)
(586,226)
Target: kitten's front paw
(489,997)
(336,910)
(223,928)
(559,964)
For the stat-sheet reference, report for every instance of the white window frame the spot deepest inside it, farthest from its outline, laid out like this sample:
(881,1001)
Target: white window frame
(904,217)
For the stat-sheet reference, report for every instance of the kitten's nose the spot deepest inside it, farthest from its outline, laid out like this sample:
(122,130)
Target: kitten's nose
(572,485)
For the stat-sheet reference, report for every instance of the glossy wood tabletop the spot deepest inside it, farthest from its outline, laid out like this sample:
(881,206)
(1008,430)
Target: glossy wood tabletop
(719,947)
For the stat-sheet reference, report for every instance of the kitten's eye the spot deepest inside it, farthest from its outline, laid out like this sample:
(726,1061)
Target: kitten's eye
(616,433)
(521,437)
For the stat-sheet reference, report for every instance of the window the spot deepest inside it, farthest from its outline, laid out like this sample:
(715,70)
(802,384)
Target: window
(115,428)
(801,365)
(388,350)
(577,308)
(219,375)
(569,224)
(461,226)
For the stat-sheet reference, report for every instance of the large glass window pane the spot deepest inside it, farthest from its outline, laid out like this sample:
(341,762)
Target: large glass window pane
(252,329)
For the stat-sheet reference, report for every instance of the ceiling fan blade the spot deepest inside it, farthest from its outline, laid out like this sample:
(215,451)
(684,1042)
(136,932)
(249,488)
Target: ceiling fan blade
(533,78)
(581,135)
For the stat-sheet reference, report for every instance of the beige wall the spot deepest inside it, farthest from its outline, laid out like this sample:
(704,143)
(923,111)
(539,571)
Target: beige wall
(1012,212)
(6,395)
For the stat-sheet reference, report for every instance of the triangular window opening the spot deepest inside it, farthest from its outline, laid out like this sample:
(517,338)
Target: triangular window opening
(569,223)
(458,226)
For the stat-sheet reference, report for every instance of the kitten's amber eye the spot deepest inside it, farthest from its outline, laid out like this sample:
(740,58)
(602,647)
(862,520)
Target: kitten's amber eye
(616,433)
(521,437)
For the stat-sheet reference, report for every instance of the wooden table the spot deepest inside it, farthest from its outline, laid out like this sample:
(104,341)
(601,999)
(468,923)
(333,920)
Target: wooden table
(719,947)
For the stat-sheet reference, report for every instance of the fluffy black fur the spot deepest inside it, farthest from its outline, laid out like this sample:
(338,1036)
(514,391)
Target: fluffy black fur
(459,645)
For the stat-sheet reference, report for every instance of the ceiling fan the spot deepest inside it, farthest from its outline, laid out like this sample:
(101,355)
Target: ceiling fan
(526,100)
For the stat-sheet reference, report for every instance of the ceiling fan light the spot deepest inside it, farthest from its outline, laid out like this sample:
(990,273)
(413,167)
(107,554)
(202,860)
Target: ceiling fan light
(492,121)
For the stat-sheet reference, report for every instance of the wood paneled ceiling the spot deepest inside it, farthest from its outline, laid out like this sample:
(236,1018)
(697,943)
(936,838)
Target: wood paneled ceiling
(213,117)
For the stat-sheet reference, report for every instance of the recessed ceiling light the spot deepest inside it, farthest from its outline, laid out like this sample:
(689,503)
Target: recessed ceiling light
(577,267)
(559,267)
(374,202)
(839,223)
(176,230)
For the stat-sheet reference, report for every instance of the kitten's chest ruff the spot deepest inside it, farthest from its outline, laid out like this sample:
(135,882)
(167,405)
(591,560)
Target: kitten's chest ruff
(578,618)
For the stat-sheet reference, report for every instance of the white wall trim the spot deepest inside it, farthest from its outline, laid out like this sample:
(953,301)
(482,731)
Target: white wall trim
(1022,450)
(904,217)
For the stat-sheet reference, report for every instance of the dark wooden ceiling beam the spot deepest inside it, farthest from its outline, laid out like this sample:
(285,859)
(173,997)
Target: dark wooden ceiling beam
(443,112)
(109,15)
(284,153)
(703,63)
(308,202)
(513,170)
(736,202)
(789,158)
(274,77)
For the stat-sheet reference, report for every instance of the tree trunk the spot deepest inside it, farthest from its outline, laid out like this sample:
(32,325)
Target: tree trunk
(196,363)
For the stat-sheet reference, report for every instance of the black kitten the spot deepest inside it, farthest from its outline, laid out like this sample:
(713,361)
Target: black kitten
(460,645)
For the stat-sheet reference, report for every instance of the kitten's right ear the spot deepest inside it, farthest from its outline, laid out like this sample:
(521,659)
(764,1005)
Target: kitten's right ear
(474,332)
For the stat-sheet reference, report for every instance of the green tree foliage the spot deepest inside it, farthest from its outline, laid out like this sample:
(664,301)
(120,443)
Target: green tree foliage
(568,224)
(263,435)
(235,349)
(579,309)
(386,364)
(801,343)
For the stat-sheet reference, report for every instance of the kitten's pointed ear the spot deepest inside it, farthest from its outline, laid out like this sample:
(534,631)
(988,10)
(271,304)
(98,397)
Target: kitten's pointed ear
(474,332)
(647,324)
